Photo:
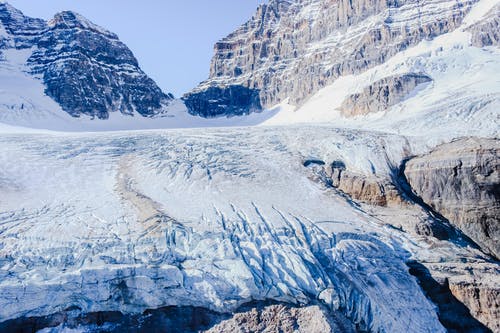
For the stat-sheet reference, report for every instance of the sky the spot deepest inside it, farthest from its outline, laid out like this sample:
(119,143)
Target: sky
(172,40)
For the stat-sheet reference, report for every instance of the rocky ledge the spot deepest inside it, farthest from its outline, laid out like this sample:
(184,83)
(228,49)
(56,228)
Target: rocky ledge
(381,192)
(251,317)
(467,293)
(487,31)
(383,94)
(369,189)
(285,319)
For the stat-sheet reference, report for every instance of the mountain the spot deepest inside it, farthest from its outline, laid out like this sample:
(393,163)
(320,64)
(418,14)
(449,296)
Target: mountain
(84,68)
(290,50)
(366,200)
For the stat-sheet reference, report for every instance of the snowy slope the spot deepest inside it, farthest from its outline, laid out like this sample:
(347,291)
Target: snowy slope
(463,99)
(22,98)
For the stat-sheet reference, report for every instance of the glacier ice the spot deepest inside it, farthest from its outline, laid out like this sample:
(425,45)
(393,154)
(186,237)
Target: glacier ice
(211,218)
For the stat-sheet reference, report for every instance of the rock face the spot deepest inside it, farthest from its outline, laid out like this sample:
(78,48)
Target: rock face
(467,294)
(17,30)
(482,301)
(382,94)
(369,189)
(253,317)
(84,68)
(487,32)
(232,100)
(291,49)
(461,180)
(380,192)
(171,319)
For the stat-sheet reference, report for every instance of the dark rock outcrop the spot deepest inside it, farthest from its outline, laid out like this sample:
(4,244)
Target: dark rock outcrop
(382,94)
(216,101)
(461,181)
(85,68)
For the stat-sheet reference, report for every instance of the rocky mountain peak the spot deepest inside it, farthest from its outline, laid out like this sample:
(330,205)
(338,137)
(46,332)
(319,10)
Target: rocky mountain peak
(85,68)
(72,20)
(276,7)
(10,13)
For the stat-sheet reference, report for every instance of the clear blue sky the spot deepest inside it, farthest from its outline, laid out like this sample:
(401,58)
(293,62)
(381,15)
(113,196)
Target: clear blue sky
(172,39)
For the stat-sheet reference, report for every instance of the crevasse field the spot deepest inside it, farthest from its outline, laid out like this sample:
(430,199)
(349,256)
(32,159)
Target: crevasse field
(212,218)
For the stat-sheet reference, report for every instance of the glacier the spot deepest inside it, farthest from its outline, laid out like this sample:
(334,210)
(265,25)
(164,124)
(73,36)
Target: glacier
(210,218)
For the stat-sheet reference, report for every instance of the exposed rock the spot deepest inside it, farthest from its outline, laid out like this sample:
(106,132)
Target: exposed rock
(382,94)
(231,100)
(382,192)
(85,68)
(254,317)
(482,301)
(434,228)
(487,31)
(369,189)
(461,180)
(20,31)
(291,49)
(313,162)
(285,319)
(467,294)
(168,319)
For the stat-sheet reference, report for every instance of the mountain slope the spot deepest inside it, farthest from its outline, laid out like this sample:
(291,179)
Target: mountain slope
(290,50)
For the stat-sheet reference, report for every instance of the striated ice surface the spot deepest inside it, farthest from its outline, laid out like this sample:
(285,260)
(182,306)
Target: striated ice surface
(209,218)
